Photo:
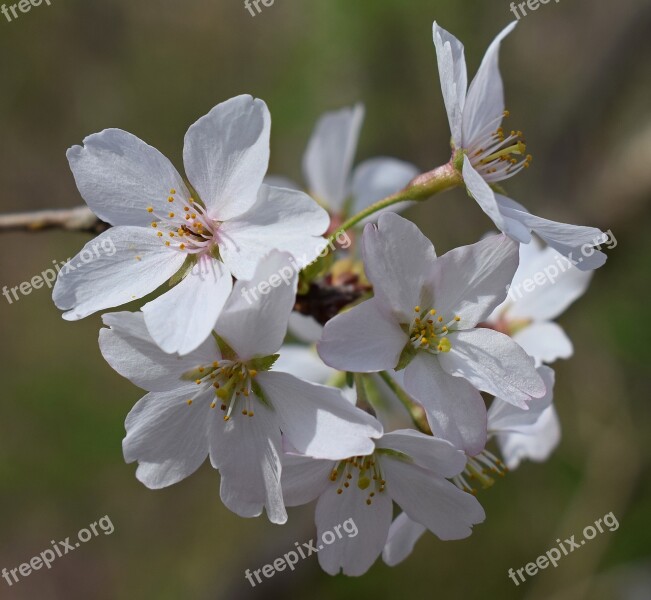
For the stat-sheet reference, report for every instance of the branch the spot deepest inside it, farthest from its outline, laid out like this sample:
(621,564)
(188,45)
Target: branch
(79,219)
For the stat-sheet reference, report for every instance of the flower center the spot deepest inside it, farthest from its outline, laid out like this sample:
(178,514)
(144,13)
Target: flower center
(368,472)
(186,227)
(480,468)
(498,156)
(233,382)
(428,331)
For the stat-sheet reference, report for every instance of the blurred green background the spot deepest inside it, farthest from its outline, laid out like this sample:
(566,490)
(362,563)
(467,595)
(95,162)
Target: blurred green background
(577,82)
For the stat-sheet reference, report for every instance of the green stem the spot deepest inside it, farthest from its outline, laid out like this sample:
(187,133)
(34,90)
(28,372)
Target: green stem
(415,412)
(422,187)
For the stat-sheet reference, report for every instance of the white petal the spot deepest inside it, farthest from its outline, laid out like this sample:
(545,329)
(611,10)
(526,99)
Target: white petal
(482,193)
(430,500)
(546,342)
(471,281)
(305,328)
(568,240)
(436,455)
(247,452)
(379,178)
(455,409)
(131,351)
(303,362)
(317,420)
(95,280)
(454,78)
(355,552)
(485,100)
(304,479)
(363,339)
(280,181)
(535,443)
(255,323)
(167,437)
(226,154)
(119,176)
(182,318)
(329,156)
(545,286)
(280,220)
(495,364)
(403,535)
(397,260)
(503,417)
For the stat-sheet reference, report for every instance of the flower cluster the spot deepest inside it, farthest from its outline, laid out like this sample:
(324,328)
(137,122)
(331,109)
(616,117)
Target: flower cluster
(389,401)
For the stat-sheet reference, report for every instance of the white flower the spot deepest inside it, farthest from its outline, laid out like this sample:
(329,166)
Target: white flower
(408,468)
(489,155)
(520,434)
(219,227)
(424,314)
(544,286)
(328,168)
(172,430)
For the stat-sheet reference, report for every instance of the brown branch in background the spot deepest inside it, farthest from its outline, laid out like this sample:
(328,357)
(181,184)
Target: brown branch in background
(323,300)
(79,219)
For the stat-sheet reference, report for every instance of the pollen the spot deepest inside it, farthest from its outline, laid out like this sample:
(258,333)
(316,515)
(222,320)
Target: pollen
(170,199)
(172,191)
(182,246)
(171,215)
(150,209)
(189,402)
(154,224)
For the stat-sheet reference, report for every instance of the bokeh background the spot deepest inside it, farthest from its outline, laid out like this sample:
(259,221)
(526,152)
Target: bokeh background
(577,80)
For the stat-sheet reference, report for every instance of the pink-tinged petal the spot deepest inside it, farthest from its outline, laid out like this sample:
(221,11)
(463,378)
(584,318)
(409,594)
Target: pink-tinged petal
(183,318)
(247,451)
(167,437)
(455,409)
(503,417)
(303,362)
(119,266)
(403,535)
(328,160)
(485,100)
(436,455)
(317,420)
(546,342)
(471,281)
(431,500)
(535,442)
(495,364)
(454,79)
(254,321)
(129,348)
(120,176)
(482,193)
(304,479)
(362,340)
(397,260)
(364,532)
(281,219)
(226,155)
(378,178)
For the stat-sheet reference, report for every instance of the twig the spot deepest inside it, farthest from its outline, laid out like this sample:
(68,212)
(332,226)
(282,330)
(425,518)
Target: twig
(79,219)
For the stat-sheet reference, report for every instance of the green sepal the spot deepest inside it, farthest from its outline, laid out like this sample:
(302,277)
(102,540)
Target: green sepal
(257,390)
(185,269)
(264,363)
(226,351)
(407,355)
(350,379)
